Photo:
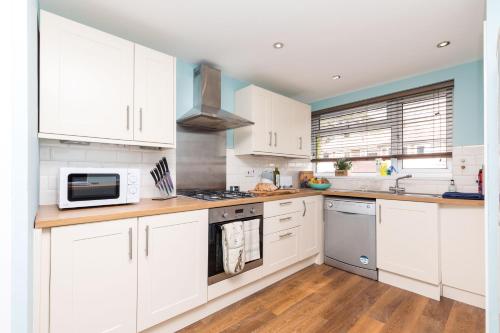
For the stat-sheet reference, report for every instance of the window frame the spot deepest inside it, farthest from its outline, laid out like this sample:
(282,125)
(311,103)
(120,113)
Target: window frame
(396,100)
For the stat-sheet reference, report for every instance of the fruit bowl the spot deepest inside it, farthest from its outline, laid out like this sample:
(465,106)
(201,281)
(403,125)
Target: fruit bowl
(319,186)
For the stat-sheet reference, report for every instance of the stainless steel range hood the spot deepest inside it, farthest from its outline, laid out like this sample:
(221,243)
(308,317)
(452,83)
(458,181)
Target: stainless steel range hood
(207,113)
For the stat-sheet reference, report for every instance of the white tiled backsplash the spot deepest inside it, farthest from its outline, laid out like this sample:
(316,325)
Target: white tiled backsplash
(54,155)
(469,157)
(238,168)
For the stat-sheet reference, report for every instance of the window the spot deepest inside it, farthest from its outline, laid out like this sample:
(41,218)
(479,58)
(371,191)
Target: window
(410,129)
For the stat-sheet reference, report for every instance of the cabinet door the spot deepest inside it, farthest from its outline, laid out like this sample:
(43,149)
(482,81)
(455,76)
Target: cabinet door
(173,260)
(262,131)
(407,239)
(281,249)
(93,281)
(154,100)
(302,132)
(462,248)
(86,80)
(311,222)
(282,120)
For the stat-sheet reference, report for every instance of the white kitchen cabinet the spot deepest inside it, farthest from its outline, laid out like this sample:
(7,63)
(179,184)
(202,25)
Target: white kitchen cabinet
(95,87)
(280,124)
(154,87)
(462,251)
(310,226)
(86,80)
(93,280)
(281,249)
(408,239)
(173,256)
(302,131)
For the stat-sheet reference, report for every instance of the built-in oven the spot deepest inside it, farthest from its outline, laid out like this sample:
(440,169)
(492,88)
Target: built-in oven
(87,187)
(223,215)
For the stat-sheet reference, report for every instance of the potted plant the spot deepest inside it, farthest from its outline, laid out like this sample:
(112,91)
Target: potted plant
(342,167)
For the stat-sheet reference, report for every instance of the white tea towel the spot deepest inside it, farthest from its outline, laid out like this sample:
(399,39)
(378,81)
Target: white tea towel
(252,239)
(233,247)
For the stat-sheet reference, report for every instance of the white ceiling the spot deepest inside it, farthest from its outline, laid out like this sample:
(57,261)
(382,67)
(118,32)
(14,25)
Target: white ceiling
(367,42)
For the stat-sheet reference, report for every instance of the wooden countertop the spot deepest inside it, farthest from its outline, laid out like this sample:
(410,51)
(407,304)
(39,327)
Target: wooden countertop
(408,197)
(51,216)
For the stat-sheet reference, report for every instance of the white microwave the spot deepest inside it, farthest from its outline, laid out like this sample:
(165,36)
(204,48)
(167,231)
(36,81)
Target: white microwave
(88,187)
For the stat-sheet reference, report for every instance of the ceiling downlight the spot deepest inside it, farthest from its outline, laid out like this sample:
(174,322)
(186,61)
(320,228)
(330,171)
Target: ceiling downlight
(443,44)
(278,45)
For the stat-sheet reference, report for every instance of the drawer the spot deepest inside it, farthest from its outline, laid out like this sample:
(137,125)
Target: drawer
(281,249)
(281,222)
(280,207)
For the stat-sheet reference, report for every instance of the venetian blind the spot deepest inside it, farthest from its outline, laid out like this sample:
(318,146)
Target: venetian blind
(408,124)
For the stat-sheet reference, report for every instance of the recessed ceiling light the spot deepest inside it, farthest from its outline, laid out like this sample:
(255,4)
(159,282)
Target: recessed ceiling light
(443,43)
(336,77)
(278,45)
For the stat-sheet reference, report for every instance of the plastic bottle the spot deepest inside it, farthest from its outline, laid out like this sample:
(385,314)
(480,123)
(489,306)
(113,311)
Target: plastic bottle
(452,187)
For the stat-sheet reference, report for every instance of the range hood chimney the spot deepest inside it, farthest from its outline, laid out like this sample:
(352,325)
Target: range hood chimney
(207,113)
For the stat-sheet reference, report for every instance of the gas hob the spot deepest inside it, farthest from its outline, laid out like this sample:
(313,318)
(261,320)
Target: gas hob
(216,195)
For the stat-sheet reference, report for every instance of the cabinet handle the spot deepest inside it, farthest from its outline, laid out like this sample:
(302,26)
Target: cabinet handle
(300,143)
(128,117)
(286,219)
(147,240)
(275,139)
(379,214)
(305,208)
(288,234)
(270,139)
(130,243)
(140,119)
(285,203)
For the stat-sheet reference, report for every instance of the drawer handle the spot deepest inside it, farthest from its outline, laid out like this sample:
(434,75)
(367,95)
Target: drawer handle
(285,203)
(286,219)
(288,234)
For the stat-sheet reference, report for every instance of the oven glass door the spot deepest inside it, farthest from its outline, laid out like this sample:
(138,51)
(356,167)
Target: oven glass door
(215,257)
(93,186)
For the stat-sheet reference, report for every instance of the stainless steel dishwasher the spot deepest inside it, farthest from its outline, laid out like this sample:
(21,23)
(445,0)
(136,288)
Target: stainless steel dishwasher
(350,238)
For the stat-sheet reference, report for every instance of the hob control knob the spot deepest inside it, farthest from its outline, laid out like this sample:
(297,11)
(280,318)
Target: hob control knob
(330,204)
(252,210)
(225,215)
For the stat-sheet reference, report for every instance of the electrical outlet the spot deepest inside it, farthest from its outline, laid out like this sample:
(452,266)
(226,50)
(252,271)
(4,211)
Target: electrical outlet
(250,173)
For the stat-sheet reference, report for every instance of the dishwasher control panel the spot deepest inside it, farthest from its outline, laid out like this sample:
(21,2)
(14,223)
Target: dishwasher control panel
(352,206)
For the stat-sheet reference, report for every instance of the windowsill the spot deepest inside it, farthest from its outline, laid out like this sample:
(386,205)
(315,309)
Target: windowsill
(422,177)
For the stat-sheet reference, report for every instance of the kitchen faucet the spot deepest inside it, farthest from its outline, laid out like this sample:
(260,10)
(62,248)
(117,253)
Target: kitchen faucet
(396,189)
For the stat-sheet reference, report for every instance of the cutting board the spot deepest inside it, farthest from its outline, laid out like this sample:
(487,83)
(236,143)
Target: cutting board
(277,192)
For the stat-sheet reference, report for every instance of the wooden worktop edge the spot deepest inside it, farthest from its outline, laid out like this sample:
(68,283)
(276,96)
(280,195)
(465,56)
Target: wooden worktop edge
(50,216)
(416,198)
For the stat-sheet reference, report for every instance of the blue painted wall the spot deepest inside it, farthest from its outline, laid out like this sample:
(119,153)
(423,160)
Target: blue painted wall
(184,89)
(467,104)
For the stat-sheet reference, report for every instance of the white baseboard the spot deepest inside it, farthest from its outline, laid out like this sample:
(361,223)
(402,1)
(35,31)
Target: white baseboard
(415,286)
(223,301)
(464,296)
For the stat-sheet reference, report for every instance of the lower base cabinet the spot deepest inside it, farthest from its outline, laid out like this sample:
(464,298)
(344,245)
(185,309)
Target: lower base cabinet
(311,224)
(127,275)
(281,249)
(173,256)
(408,239)
(93,282)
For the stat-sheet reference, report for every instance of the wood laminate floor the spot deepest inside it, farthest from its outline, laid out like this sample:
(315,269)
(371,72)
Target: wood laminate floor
(325,299)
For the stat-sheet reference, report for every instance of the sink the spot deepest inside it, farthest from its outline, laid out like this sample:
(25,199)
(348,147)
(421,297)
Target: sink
(409,194)
(421,195)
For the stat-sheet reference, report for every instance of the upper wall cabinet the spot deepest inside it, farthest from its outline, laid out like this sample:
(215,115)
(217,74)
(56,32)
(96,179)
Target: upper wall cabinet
(282,125)
(100,88)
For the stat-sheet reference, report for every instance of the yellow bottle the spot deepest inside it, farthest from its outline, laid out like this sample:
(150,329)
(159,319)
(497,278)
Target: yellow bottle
(383,169)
